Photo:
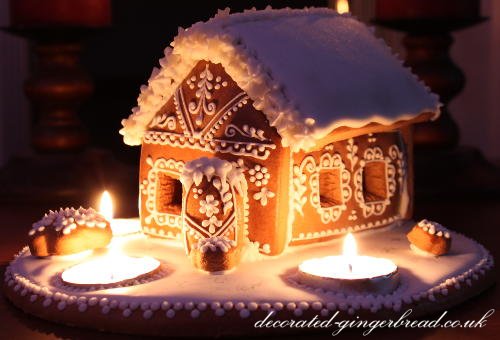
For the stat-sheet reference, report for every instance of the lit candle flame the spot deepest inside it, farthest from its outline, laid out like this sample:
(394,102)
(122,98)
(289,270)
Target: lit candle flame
(346,266)
(106,206)
(349,248)
(114,265)
(106,210)
(342,6)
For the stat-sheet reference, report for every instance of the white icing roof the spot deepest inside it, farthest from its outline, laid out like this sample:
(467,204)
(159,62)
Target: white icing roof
(310,71)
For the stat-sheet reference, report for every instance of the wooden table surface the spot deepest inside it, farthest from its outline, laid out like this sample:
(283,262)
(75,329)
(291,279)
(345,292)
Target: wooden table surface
(479,219)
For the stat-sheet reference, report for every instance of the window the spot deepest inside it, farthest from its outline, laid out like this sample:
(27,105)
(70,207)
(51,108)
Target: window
(374,181)
(168,194)
(330,187)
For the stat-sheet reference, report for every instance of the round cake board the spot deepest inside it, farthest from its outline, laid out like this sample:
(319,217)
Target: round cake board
(180,300)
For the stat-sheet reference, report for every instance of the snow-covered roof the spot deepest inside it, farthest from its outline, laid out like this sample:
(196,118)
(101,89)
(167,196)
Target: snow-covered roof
(309,70)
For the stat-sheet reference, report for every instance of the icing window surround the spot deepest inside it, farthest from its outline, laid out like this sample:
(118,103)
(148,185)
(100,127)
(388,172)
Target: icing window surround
(149,187)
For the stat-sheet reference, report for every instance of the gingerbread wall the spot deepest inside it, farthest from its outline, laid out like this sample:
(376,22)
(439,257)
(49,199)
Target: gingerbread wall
(303,197)
(350,185)
(209,115)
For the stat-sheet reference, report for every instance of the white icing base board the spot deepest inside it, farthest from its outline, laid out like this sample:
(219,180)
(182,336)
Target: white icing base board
(183,301)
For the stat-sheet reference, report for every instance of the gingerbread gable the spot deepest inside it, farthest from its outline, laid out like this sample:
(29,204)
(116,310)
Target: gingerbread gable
(348,79)
(210,112)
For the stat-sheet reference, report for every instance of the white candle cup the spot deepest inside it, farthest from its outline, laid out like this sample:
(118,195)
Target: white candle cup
(350,275)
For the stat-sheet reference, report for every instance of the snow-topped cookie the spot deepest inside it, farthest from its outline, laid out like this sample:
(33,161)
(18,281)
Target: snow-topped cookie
(69,231)
(430,237)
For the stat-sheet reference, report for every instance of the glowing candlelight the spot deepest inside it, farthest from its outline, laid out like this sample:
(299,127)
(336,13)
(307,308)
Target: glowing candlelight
(106,206)
(110,269)
(119,226)
(349,250)
(350,272)
(115,266)
(342,6)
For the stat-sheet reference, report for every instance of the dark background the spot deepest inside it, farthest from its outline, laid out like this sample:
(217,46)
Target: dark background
(119,60)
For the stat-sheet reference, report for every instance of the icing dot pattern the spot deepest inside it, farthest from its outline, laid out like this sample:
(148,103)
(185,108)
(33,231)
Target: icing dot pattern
(434,228)
(68,219)
(61,301)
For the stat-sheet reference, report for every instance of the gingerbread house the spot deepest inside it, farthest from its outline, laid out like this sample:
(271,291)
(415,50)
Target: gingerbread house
(309,104)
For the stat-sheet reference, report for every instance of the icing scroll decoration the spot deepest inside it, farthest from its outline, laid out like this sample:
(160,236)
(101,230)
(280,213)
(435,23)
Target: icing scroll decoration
(198,131)
(163,121)
(330,162)
(352,150)
(398,156)
(245,131)
(377,207)
(225,194)
(149,187)
(203,106)
(299,182)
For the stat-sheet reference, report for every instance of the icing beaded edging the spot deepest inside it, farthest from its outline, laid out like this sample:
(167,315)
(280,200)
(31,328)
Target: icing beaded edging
(60,301)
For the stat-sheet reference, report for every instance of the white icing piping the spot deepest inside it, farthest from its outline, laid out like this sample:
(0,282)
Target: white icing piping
(433,228)
(68,219)
(59,301)
(161,233)
(195,170)
(346,229)
(206,42)
(251,149)
(395,165)
(214,243)
(149,188)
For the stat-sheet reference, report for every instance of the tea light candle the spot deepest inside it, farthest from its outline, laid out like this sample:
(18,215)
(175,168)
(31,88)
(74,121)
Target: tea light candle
(113,268)
(350,273)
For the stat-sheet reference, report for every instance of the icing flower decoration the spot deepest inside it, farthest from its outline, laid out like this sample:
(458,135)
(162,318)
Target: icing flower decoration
(263,195)
(212,223)
(259,175)
(208,206)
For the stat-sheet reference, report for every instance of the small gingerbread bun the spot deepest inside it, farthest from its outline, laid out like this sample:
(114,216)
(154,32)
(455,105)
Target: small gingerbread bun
(69,231)
(430,237)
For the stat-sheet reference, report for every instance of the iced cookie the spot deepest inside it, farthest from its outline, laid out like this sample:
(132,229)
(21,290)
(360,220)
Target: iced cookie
(69,231)
(430,237)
